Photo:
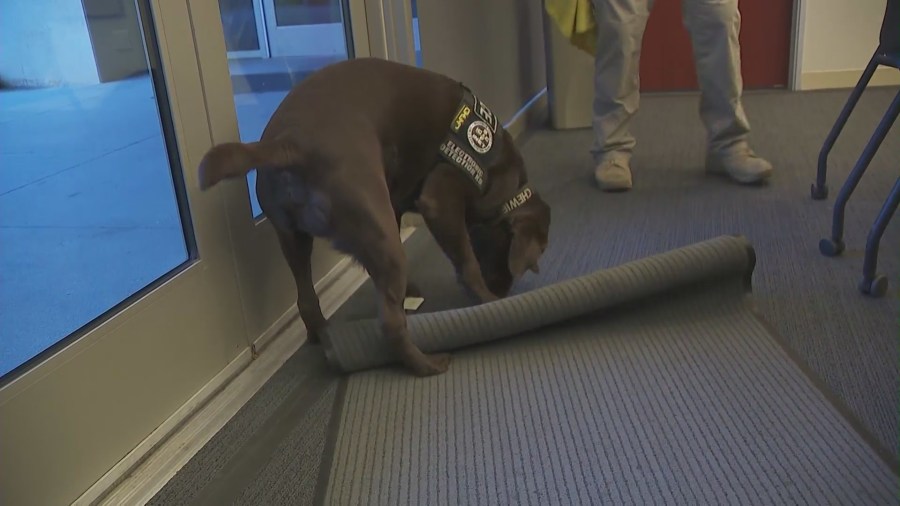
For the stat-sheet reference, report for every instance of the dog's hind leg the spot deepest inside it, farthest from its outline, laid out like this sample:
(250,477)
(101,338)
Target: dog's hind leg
(297,247)
(386,263)
(385,260)
(367,228)
(412,290)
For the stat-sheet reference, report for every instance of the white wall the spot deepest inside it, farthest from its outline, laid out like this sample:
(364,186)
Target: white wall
(837,40)
(495,47)
(45,43)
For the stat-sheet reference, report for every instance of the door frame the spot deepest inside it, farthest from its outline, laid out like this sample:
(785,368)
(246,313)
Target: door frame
(390,30)
(795,71)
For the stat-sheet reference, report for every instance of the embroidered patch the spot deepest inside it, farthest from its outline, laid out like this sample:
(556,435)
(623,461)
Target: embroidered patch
(474,140)
(463,160)
(461,116)
(484,112)
(480,136)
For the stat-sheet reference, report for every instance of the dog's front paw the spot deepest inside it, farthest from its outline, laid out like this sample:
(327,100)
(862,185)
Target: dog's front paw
(431,365)
(482,295)
(486,297)
(314,335)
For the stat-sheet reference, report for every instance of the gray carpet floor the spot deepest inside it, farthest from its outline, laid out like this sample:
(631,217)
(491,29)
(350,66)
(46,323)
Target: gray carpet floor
(270,452)
(683,399)
(849,340)
(275,451)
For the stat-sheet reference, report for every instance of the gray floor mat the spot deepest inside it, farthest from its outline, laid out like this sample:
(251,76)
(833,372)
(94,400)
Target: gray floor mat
(688,399)
(271,451)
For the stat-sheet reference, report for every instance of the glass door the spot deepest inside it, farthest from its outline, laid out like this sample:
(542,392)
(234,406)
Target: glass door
(119,298)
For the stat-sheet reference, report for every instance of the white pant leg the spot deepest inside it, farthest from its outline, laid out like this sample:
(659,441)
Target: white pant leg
(620,28)
(714,26)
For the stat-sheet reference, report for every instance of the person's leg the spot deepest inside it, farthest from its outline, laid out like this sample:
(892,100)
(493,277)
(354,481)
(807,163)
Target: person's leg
(620,28)
(714,26)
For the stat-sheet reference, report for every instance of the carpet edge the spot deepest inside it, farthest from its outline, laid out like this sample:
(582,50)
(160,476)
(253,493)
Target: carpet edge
(832,398)
(331,437)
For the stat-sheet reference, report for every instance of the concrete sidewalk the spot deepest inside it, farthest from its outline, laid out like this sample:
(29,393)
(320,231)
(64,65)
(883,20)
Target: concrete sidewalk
(88,213)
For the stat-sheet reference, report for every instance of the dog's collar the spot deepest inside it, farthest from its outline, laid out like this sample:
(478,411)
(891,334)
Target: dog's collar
(525,193)
(521,197)
(474,141)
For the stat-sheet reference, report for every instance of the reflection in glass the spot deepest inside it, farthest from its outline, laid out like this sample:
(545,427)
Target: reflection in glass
(298,37)
(88,208)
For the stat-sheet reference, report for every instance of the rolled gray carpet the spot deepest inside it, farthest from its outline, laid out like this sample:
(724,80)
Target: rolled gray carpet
(358,345)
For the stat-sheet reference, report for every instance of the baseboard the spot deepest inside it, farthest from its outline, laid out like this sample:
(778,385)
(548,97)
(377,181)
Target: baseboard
(836,79)
(149,466)
(330,289)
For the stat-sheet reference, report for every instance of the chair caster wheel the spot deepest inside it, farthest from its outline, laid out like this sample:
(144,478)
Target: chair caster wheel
(875,287)
(831,248)
(818,192)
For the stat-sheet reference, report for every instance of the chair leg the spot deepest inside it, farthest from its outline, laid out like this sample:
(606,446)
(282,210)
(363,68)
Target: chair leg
(819,190)
(835,245)
(871,283)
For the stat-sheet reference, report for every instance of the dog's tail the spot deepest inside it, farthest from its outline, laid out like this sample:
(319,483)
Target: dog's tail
(236,159)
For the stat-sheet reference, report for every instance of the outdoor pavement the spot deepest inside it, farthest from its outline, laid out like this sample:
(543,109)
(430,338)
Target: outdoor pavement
(88,213)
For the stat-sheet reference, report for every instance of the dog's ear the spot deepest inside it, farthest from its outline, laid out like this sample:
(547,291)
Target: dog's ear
(530,228)
(524,252)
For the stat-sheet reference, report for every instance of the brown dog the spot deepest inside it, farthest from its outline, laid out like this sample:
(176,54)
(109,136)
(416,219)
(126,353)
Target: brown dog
(359,143)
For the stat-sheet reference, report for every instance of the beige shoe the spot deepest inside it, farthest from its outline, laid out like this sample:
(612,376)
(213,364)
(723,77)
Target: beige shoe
(613,175)
(741,165)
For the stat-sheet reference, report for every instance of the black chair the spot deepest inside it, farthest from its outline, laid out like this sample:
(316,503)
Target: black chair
(887,54)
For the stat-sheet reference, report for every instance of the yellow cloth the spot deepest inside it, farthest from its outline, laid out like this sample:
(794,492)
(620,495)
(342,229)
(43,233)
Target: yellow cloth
(575,19)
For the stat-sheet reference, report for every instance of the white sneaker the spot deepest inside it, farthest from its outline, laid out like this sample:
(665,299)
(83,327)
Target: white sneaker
(741,165)
(613,175)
